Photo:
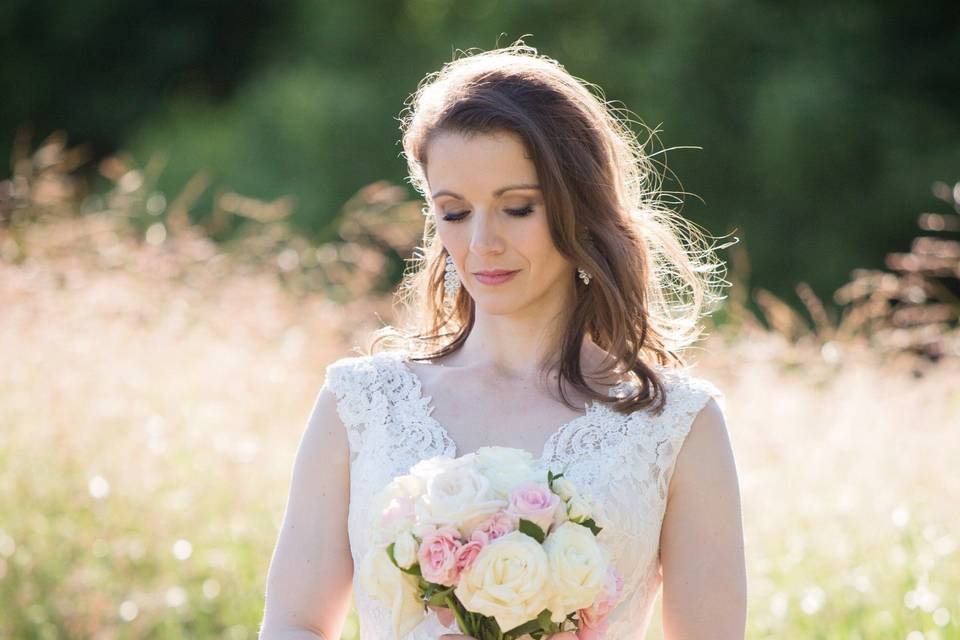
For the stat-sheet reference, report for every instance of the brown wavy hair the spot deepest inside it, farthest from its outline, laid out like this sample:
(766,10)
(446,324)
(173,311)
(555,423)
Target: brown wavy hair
(651,273)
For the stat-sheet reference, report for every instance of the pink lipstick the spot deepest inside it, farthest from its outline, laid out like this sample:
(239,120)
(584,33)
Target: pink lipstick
(494,276)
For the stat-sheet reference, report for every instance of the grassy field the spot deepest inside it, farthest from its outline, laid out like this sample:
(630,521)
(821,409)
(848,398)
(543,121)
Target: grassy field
(152,395)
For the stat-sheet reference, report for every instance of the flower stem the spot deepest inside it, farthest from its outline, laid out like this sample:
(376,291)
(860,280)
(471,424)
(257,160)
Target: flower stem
(464,627)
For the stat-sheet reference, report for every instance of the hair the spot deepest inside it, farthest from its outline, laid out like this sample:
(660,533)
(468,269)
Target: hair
(651,275)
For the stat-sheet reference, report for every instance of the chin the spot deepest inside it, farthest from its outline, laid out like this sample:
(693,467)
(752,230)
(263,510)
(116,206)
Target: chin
(496,309)
(493,307)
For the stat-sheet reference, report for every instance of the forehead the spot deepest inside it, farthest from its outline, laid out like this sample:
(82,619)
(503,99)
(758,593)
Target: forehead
(477,165)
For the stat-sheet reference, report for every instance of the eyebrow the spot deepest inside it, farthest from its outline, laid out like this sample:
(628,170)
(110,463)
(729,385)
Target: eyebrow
(498,192)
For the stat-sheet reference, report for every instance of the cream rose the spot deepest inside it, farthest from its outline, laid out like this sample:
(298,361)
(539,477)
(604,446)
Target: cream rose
(508,580)
(430,467)
(579,508)
(393,508)
(565,488)
(457,496)
(506,467)
(398,590)
(405,550)
(578,569)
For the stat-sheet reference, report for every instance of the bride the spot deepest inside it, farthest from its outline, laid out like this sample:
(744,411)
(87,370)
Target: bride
(553,296)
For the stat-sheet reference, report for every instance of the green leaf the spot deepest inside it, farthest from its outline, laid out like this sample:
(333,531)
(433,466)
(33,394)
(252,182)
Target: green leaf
(439,597)
(430,588)
(589,523)
(545,622)
(551,477)
(527,627)
(413,570)
(532,530)
(490,624)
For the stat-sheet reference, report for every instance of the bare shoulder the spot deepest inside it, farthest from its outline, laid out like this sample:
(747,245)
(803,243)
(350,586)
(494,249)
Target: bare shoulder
(707,453)
(325,435)
(701,543)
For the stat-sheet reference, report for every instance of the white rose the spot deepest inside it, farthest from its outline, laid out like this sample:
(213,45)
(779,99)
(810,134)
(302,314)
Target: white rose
(409,485)
(393,508)
(579,508)
(506,467)
(564,488)
(508,580)
(457,496)
(398,590)
(430,467)
(578,569)
(405,550)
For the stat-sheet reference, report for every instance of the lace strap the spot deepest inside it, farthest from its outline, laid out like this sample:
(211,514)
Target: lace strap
(361,403)
(690,394)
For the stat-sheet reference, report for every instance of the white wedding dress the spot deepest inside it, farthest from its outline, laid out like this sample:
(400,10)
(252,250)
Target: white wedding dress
(623,462)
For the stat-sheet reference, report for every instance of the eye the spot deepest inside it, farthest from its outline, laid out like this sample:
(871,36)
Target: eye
(524,211)
(457,216)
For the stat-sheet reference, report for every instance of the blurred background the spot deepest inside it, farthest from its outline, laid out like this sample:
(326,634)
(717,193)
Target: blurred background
(205,203)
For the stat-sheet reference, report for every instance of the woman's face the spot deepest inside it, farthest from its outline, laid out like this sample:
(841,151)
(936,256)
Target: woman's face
(490,216)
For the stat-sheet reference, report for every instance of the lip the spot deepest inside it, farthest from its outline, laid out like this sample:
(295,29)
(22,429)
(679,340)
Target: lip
(494,276)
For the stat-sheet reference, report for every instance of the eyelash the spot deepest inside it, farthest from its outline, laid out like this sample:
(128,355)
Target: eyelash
(519,213)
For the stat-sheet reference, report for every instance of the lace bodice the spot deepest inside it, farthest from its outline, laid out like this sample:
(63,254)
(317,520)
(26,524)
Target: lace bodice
(623,462)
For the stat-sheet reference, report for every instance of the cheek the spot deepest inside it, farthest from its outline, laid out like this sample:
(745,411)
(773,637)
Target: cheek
(536,245)
(548,263)
(455,240)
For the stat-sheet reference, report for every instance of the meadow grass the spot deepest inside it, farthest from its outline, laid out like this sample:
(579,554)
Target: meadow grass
(152,398)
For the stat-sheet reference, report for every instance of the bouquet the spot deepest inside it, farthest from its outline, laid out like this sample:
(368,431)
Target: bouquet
(511,551)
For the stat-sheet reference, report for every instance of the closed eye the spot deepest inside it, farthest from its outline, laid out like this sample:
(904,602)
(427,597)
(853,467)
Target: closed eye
(457,216)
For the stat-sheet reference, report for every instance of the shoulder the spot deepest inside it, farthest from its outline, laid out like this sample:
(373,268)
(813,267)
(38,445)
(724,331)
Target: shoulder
(704,452)
(689,394)
(692,402)
(352,373)
(347,367)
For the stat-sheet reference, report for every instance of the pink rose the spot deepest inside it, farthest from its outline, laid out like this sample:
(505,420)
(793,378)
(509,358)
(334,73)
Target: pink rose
(399,508)
(465,556)
(591,633)
(593,620)
(438,556)
(499,524)
(534,502)
(592,625)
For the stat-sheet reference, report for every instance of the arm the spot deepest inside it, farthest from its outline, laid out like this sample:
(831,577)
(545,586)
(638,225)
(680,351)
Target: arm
(701,541)
(309,579)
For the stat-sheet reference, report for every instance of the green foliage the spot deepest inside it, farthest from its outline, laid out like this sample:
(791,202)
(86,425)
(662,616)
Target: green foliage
(532,530)
(818,128)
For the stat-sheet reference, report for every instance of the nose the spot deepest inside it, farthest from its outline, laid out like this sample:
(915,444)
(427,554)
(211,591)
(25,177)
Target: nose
(486,238)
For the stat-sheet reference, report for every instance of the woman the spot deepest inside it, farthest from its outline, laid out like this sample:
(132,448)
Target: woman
(553,294)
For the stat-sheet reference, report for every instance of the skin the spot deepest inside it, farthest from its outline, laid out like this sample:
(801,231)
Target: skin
(702,555)
(513,330)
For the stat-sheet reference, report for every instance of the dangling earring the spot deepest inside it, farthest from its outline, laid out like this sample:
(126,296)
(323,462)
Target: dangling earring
(451,281)
(587,240)
(583,275)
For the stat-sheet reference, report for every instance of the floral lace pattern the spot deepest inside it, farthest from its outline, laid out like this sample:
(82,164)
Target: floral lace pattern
(623,462)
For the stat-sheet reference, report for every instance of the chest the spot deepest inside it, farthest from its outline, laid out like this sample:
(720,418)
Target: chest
(476,413)
(471,423)
(613,460)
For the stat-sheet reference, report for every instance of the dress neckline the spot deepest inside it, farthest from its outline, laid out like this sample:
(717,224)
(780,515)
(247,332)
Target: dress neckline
(425,403)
